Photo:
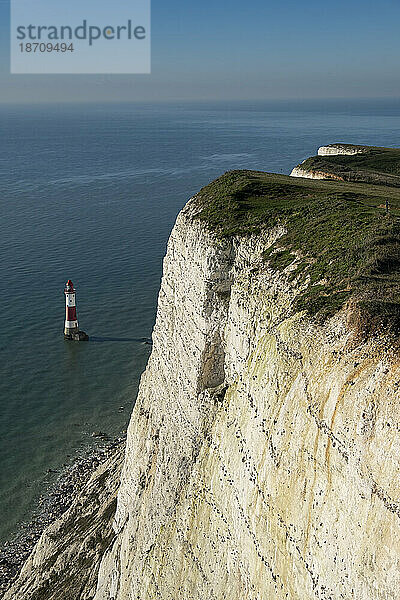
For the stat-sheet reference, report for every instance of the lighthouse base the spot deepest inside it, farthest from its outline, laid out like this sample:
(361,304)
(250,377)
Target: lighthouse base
(77,336)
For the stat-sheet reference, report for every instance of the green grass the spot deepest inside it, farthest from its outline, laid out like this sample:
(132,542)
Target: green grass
(378,166)
(347,246)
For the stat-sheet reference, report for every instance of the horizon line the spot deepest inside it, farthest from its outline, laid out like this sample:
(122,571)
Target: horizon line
(202,100)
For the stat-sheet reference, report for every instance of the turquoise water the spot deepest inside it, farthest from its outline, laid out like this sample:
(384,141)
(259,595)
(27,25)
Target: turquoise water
(91,193)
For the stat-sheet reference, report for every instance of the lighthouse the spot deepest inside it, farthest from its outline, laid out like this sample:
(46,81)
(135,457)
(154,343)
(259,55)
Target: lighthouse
(71,328)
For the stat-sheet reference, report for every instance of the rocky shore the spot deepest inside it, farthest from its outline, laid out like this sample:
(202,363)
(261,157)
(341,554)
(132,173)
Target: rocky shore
(58,499)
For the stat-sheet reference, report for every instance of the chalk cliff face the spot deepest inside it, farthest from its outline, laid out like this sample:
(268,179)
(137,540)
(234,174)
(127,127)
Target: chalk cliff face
(312,174)
(263,452)
(335,149)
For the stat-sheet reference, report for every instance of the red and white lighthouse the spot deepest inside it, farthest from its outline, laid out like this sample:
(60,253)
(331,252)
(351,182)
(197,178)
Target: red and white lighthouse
(71,321)
(71,328)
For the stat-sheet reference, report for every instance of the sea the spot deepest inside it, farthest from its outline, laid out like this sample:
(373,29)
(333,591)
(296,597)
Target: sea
(90,193)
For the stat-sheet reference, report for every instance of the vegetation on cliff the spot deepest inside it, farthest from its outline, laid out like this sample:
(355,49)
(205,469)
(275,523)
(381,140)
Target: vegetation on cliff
(338,236)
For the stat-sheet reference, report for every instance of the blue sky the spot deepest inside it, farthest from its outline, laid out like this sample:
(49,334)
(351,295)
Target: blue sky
(258,49)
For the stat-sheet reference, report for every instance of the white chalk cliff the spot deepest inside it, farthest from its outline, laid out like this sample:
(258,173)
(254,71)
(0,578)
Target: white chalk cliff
(347,149)
(330,150)
(263,452)
(312,174)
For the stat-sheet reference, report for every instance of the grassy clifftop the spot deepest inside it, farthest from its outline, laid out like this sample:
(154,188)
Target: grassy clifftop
(377,166)
(338,236)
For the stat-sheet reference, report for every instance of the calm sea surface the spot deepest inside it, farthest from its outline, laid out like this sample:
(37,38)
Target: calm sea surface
(91,193)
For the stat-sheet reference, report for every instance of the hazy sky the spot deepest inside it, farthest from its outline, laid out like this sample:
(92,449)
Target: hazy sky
(254,49)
